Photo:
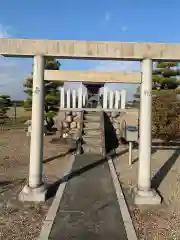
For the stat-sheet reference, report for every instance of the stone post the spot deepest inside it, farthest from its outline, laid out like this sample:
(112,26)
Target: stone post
(74,98)
(68,98)
(105,98)
(123,98)
(145,195)
(62,97)
(35,190)
(111,100)
(117,99)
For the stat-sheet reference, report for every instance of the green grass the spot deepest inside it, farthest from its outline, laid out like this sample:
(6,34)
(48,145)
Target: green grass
(20,112)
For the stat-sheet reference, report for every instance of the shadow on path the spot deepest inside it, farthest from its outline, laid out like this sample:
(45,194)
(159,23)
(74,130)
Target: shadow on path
(53,187)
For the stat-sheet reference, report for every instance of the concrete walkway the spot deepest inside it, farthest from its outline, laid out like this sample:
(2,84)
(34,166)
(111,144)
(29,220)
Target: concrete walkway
(89,207)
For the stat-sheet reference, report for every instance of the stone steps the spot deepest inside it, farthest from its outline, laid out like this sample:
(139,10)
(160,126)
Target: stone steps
(92,140)
(88,124)
(92,117)
(87,148)
(92,133)
(96,132)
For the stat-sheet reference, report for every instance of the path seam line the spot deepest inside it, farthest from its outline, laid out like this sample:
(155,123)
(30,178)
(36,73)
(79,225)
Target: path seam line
(130,230)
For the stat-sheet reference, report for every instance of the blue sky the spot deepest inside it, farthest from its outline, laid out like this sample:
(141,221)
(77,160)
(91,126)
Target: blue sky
(118,20)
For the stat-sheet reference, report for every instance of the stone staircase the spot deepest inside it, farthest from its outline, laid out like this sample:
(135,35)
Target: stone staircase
(93,133)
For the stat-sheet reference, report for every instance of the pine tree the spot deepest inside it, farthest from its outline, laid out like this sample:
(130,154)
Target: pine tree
(5,104)
(164,78)
(165,75)
(51,101)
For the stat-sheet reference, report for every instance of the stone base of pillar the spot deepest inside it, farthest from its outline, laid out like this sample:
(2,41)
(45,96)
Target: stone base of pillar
(147,198)
(29,194)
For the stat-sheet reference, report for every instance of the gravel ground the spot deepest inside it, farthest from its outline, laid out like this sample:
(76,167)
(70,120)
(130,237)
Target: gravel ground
(154,222)
(24,220)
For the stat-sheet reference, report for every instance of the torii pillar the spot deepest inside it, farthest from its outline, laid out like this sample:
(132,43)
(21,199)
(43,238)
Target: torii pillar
(35,190)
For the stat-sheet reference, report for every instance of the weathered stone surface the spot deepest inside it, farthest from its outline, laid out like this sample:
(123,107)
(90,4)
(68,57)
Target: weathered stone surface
(78,114)
(116,125)
(58,133)
(65,130)
(68,113)
(118,131)
(114,114)
(57,123)
(73,125)
(84,76)
(116,120)
(78,124)
(97,50)
(69,118)
(65,125)
(74,114)
(77,118)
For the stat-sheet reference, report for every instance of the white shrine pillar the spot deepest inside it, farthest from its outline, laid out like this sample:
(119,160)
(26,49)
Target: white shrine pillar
(68,98)
(117,99)
(80,93)
(105,99)
(35,190)
(111,99)
(74,98)
(62,97)
(123,98)
(84,99)
(145,195)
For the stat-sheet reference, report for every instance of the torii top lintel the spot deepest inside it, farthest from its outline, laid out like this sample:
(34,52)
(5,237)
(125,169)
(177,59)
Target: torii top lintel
(89,49)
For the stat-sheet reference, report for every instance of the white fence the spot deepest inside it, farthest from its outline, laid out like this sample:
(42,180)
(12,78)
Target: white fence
(72,99)
(114,100)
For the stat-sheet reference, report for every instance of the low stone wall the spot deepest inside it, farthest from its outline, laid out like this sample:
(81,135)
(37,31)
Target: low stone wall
(67,123)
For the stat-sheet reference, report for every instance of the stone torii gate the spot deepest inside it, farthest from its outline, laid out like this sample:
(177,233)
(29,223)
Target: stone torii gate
(145,52)
(93,82)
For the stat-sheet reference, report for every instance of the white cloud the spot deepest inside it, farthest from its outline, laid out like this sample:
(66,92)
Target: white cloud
(4,31)
(124,28)
(107,16)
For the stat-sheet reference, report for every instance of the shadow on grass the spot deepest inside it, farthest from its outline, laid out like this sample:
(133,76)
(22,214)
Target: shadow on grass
(54,187)
(174,145)
(9,185)
(154,150)
(163,171)
(47,160)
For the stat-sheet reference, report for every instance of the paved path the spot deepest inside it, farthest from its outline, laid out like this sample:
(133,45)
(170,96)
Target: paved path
(89,208)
